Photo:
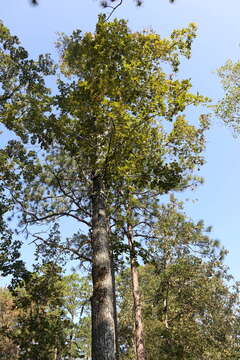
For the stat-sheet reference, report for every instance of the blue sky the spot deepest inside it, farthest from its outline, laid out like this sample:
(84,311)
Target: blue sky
(218,39)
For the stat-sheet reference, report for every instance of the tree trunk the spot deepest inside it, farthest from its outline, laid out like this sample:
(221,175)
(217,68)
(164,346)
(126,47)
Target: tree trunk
(115,310)
(103,326)
(139,334)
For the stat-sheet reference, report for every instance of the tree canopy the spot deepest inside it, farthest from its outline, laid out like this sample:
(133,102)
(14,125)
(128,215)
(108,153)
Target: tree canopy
(228,107)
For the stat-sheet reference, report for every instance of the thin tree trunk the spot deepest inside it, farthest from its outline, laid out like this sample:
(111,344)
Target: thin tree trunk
(139,334)
(165,310)
(103,325)
(115,310)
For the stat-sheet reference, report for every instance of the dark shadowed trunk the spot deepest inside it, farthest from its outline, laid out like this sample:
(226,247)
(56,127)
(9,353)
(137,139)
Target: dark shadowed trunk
(103,325)
(139,334)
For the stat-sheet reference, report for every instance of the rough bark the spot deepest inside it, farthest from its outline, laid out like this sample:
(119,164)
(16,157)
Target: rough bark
(139,333)
(103,325)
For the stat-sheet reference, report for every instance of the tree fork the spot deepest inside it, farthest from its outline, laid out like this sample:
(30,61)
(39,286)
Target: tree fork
(103,324)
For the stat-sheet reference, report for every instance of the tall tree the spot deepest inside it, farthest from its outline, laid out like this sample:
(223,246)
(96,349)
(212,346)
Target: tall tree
(107,132)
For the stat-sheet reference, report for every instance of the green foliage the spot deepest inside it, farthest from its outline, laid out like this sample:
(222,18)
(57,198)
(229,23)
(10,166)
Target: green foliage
(8,349)
(189,311)
(110,120)
(49,309)
(228,107)
(41,326)
(117,98)
(118,93)
(117,115)
(77,307)
(23,94)
(192,316)
(10,262)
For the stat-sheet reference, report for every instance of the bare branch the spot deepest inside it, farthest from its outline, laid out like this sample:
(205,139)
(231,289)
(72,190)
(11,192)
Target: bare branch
(61,247)
(49,216)
(114,8)
(67,194)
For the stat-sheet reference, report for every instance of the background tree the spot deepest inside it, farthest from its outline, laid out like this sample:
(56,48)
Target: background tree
(228,109)
(195,330)
(21,84)
(10,262)
(49,313)
(77,305)
(8,318)
(41,326)
(189,311)
(47,316)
